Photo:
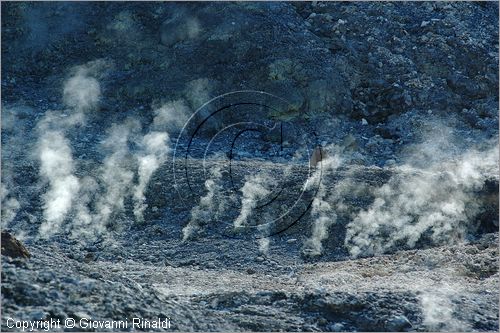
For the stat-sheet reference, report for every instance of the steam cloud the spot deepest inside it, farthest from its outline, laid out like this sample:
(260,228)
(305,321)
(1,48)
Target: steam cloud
(10,206)
(81,93)
(116,174)
(171,116)
(208,208)
(179,27)
(198,92)
(264,245)
(105,188)
(56,167)
(436,201)
(83,225)
(324,206)
(437,309)
(256,187)
(155,149)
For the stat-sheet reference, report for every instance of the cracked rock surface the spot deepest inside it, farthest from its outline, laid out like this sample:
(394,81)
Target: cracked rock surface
(395,229)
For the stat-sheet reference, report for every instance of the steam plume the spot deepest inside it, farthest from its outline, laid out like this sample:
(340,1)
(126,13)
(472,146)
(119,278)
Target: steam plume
(207,208)
(264,245)
(256,187)
(438,309)
(198,92)
(10,206)
(116,174)
(324,206)
(102,193)
(155,149)
(83,225)
(82,90)
(437,200)
(171,116)
(56,167)
(81,93)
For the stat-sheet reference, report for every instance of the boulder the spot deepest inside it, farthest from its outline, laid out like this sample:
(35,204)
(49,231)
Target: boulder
(12,247)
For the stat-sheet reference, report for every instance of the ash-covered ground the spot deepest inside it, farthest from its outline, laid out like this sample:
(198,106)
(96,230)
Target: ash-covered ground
(249,166)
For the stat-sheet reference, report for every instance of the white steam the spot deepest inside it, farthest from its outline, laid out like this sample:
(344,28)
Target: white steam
(180,27)
(83,225)
(81,91)
(154,153)
(324,206)
(10,206)
(56,167)
(210,205)
(198,92)
(103,191)
(438,309)
(108,187)
(436,201)
(256,188)
(171,116)
(116,175)
(154,148)
(264,245)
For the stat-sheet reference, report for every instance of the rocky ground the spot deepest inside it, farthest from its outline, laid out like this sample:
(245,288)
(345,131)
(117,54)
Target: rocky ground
(396,229)
(220,285)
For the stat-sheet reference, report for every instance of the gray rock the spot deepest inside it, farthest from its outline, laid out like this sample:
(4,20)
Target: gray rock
(398,324)
(337,327)
(12,247)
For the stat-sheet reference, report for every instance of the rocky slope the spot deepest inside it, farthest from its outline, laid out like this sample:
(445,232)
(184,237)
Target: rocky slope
(211,286)
(137,198)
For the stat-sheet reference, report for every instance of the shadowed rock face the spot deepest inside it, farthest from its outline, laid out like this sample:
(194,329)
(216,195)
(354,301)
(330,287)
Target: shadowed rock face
(12,247)
(186,49)
(401,235)
(316,157)
(488,219)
